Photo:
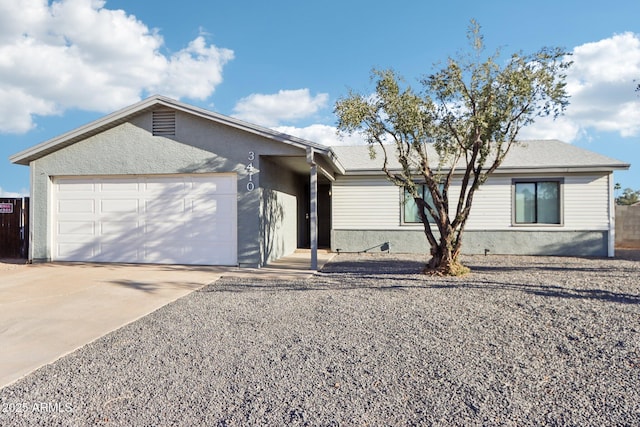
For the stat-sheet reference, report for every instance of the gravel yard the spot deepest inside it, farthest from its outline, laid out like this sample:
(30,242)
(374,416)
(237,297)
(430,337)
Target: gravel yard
(369,341)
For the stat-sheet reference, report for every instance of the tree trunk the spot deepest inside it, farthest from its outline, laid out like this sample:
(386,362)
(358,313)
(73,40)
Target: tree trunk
(445,258)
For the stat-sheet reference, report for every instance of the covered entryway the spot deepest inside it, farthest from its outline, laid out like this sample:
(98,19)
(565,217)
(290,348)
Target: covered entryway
(160,219)
(308,181)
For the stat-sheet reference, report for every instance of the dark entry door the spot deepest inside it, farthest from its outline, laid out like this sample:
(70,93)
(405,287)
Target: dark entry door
(324,216)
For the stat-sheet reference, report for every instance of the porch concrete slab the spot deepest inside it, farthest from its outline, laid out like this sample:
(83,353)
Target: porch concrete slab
(49,310)
(291,267)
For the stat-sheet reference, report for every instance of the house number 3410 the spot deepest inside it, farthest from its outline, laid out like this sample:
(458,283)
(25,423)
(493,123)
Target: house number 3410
(250,169)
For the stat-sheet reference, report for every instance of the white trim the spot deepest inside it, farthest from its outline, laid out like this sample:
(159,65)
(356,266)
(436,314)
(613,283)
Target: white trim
(31,212)
(536,180)
(511,170)
(612,219)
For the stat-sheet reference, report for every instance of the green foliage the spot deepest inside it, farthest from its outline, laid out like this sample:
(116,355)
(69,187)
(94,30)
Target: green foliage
(462,123)
(628,197)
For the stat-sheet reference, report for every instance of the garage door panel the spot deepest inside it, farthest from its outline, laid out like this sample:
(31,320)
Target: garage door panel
(183,219)
(199,212)
(117,252)
(163,207)
(119,230)
(72,228)
(70,251)
(76,206)
(225,185)
(119,206)
(163,254)
(164,231)
(164,186)
(84,185)
(119,186)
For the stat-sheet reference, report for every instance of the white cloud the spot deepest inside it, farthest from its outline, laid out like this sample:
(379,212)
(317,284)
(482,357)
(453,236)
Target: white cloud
(14,195)
(322,134)
(601,85)
(78,54)
(17,106)
(562,128)
(273,109)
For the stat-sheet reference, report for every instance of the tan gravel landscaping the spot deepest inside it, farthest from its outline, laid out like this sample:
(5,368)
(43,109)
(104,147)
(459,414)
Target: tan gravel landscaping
(521,341)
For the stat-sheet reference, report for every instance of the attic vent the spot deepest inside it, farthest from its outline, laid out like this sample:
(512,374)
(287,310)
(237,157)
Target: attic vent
(164,123)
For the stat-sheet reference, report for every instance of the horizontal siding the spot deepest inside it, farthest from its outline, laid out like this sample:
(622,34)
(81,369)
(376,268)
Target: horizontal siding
(586,202)
(491,208)
(365,204)
(374,204)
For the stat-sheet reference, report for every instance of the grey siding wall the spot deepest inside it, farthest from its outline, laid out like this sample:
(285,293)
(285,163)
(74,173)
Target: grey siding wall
(200,146)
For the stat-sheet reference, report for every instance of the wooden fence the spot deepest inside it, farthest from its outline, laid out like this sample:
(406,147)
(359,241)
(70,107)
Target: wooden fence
(14,228)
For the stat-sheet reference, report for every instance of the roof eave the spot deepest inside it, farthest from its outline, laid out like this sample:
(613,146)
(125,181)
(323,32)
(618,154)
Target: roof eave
(564,169)
(111,120)
(514,170)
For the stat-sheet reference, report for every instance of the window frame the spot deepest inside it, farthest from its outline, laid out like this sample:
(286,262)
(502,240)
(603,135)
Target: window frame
(536,181)
(403,204)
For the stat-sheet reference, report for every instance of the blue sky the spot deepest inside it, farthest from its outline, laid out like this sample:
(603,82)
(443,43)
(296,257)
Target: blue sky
(283,64)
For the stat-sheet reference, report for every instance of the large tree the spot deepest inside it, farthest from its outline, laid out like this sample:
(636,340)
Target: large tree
(458,128)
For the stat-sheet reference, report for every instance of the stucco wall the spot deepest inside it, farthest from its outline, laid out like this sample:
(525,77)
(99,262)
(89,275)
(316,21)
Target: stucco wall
(574,243)
(200,146)
(279,236)
(283,192)
(628,226)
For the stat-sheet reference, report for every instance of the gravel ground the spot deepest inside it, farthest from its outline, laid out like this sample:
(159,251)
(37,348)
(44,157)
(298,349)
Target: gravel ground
(521,341)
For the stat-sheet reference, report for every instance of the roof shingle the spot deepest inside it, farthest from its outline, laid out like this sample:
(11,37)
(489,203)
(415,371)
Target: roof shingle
(527,155)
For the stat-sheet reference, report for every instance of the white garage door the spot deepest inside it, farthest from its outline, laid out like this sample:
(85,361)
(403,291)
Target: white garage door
(177,219)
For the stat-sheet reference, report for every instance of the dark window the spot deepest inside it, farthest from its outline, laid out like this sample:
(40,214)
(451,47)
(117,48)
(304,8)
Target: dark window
(537,202)
(410,208)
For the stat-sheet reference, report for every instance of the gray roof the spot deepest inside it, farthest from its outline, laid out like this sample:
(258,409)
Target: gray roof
(548,155)
(541,155)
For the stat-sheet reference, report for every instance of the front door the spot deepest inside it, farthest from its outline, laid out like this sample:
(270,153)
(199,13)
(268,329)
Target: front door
(324,216)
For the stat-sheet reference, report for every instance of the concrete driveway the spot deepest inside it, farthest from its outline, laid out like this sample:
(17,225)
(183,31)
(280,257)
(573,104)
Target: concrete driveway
(49,310)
